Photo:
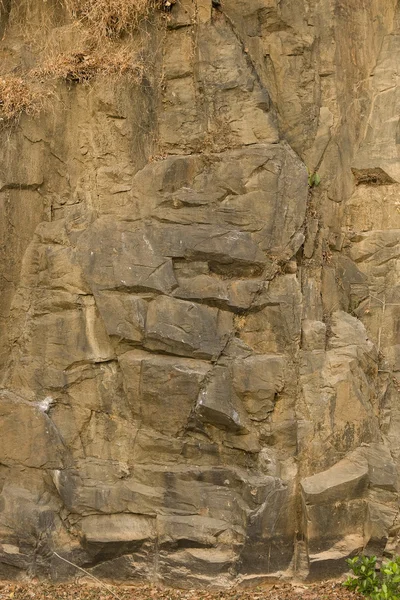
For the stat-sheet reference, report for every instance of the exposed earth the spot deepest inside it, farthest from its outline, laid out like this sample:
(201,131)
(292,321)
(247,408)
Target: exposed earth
(328,590)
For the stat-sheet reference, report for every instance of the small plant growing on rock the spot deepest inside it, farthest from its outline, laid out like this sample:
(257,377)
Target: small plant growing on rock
(313,179)
(377,584)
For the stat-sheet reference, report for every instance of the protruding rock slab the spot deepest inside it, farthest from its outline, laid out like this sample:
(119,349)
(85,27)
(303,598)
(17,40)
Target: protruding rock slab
(119,255)
(341,509)
(123,314)
(186,328)
(218,404)
(107,529)
(257,380)
(162,390)
(345,480)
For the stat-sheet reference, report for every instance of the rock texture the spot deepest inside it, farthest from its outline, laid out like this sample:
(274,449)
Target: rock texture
(200,353)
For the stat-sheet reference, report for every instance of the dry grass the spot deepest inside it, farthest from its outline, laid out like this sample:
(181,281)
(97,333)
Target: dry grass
(109,36)
(111,18)
(82,66)
(18,96)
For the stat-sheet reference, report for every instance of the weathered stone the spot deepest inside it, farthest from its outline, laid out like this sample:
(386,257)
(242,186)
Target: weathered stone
(234,295)
(27,435)
(108,529)
(313,335)
(257,380)
(345,480)
(197,529)
(133,264)
(123,315)
(380,151)
(265,548)
(80,494)
(339,401)
(331,562)
(186,329)
(206,562)
(167,385)
(72,335)
(265,331)
(261,183)
(178,60)
(183,14)
(218,404)
(340,518)
(229,250)
(380,520)
(382,468)
(331,525)
(27,510)
(346,330)
(129,567)
(373,207)
(191,324)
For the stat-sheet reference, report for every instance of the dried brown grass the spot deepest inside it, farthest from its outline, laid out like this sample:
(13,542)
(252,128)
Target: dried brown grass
(18,96)
(82,66)
(111,18)
(109,36)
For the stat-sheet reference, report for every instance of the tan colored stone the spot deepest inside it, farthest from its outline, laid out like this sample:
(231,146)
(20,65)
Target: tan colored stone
(107,529)
(188,328)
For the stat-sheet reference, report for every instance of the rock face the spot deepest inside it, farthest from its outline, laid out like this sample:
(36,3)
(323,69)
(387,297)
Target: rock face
(200,353)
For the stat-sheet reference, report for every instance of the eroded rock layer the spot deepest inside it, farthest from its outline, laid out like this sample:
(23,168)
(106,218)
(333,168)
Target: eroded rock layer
(200,348)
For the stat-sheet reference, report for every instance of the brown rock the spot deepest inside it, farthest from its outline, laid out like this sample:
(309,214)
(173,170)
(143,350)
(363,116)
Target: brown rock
(190,326)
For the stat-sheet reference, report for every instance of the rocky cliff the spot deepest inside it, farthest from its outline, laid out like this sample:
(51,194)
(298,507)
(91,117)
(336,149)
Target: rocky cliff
(200,347)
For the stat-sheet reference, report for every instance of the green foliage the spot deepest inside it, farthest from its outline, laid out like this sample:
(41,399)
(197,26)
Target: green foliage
(366,579)
(313,180)
(377,584)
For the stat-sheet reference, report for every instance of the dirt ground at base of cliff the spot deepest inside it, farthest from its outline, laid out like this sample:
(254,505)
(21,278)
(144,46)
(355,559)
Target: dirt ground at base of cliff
(327,590)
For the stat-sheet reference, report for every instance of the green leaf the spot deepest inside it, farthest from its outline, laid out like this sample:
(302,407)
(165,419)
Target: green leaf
(313,181)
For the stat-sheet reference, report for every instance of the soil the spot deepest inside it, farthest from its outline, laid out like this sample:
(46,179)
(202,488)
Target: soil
(328,590)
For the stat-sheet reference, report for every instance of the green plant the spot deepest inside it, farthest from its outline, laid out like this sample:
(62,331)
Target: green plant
(313,179)
(377,584)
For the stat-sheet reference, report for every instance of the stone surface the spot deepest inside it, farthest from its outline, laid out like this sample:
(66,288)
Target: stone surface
(346,479)
(218,404)
(108,529)
(313,335)
(257,380)
(342,511)
(186,328)
(199,350)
